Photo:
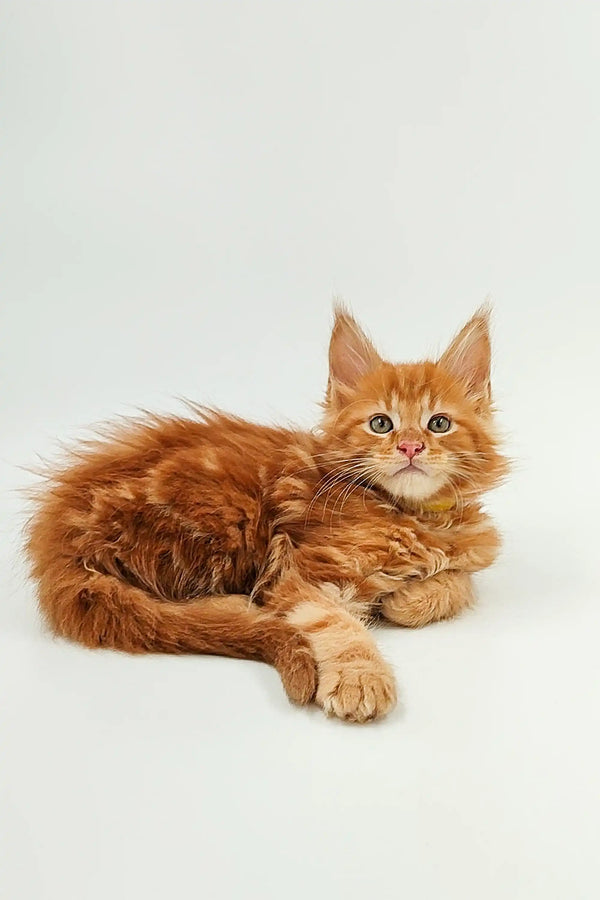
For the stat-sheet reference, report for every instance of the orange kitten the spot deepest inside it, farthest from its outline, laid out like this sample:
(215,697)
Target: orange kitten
(215,535)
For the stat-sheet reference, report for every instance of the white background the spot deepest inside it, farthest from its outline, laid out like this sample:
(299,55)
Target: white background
(185,186)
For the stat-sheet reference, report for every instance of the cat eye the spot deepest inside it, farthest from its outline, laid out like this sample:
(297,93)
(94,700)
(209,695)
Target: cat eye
(381,424)
(439,424)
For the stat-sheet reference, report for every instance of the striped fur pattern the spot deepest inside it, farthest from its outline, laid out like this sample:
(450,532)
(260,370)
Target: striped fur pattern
(210,534)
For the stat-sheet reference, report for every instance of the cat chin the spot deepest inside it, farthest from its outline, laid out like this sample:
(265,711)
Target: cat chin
(414,487)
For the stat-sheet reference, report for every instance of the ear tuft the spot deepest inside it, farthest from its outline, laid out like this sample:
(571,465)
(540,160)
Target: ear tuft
(351,353)
(469,355)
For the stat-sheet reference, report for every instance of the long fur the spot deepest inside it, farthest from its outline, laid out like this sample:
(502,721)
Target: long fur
(210,534)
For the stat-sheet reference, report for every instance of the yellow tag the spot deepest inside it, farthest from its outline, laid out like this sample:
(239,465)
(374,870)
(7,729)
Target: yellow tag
(438,506)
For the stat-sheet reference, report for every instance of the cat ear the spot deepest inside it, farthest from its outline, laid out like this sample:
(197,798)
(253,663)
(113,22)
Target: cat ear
(469,355)
(351,353)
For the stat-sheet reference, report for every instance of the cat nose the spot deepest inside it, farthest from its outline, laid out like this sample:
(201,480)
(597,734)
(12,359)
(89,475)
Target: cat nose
(411,448)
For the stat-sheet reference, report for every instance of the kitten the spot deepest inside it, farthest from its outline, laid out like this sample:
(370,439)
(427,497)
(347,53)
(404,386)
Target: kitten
(216,535)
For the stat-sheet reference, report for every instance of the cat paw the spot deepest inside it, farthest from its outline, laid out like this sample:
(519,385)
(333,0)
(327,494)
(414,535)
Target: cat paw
(298,670)
(357,691)
(482,554)
(418,603)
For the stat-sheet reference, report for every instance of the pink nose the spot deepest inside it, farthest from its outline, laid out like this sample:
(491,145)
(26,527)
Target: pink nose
(411,448)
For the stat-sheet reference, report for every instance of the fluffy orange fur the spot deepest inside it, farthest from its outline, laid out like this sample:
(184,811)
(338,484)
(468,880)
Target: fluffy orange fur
(215,535)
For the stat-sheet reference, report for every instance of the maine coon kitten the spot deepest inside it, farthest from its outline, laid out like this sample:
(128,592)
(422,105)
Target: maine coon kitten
(215,535)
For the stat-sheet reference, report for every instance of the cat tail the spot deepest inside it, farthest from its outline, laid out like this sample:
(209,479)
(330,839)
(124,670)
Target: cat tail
(101,610)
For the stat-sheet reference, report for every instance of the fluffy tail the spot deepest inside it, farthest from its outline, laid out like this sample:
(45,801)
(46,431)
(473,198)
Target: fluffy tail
(101,610)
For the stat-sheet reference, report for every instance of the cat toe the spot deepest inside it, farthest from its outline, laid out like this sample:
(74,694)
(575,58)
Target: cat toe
(358,693)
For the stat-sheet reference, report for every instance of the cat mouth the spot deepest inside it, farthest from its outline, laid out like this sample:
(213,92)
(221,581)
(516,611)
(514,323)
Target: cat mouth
(410,469)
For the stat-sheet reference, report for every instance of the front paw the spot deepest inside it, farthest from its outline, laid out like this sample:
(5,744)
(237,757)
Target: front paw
(413,556)
(419,603)
(486,547)
(358,691)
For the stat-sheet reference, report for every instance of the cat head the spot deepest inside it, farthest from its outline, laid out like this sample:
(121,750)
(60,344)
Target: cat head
(421,431)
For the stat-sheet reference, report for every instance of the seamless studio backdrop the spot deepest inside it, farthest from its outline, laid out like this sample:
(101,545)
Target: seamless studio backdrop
(185,187)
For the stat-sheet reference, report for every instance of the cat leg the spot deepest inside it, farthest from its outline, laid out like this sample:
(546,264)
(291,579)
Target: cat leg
(354,681)
(281,645)
(416,603)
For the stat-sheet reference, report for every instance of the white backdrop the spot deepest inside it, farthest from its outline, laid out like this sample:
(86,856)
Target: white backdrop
(185,186)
